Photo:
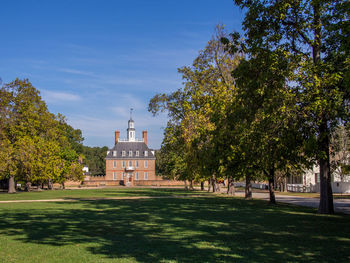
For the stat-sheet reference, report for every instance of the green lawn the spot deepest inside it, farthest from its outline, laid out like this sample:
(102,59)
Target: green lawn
(210,228)
(96,193)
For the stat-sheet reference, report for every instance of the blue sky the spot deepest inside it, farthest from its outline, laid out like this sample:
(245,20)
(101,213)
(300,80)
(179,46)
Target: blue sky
(94,60)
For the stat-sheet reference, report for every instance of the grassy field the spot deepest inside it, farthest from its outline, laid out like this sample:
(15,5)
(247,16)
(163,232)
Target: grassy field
(209,228)
(96,193)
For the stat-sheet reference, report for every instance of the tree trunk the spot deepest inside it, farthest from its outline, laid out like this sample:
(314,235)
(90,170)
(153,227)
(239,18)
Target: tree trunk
(285,184)
(326,195)
(28,186)
(63,186)
(202,186)
(248,188)
(209,184)
(12,188)
(213,184)
(217,186)
(186,187)
(271,186)
(231,186)
(191,184)
(50,185)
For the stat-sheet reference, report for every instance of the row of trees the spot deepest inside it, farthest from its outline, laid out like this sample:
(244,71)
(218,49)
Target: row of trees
(94,158)
(266,104)
(36,146)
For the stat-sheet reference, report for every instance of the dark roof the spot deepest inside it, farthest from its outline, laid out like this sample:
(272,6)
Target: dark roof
(130,146)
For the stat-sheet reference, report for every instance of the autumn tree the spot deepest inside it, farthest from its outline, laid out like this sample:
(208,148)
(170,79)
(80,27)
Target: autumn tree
(208,89)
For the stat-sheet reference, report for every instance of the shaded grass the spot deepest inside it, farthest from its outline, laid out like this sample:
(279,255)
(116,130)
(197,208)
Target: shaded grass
(202,229)
(96,193)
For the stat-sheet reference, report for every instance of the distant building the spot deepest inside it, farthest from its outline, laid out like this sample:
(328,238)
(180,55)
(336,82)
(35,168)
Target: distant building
(130,159)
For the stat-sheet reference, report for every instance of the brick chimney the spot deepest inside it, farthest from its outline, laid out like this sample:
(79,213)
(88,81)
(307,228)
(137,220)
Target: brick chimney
(144,136)
(116,137)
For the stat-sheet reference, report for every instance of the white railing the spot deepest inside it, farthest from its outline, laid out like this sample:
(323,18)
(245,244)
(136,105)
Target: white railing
(299,188)
(130,168)
(126,140)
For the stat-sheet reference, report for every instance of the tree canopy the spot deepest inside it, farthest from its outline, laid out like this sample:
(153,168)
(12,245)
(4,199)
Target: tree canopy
(37,146)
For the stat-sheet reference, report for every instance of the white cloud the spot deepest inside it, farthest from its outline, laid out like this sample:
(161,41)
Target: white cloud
(76,72)
(56,96)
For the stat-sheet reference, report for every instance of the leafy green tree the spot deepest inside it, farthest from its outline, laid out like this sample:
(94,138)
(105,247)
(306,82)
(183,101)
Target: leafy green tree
(314,35)
(189,138)
(32,138)
(94,158)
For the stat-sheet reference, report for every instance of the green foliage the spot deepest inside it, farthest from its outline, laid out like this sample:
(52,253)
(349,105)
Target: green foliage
(38,146)
(189,148)
(94,158)
(313,36)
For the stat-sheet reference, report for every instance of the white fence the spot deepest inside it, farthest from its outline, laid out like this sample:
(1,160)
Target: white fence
(337,188)
(254,185)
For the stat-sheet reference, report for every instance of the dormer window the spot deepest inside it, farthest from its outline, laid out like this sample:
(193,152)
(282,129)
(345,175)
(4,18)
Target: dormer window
(130,153)
(137,153)
(146,153)
(114,153)
(123,153)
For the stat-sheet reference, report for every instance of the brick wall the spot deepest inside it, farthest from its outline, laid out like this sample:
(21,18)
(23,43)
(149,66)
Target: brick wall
(116,166)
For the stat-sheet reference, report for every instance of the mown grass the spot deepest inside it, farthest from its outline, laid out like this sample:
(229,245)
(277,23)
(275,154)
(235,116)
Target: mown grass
(96,193)
(190,229)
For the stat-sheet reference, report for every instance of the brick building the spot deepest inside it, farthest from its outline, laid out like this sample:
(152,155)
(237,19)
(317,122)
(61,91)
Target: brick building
(130,159)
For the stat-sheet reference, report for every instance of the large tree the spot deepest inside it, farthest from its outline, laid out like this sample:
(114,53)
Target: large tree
(315,36)
(194,110)
(32,139)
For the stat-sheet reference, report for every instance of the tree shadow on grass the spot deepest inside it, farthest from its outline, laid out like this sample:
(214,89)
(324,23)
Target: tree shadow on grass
(185,230)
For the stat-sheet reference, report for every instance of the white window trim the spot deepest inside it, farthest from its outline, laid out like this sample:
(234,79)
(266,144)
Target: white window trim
(123,153)
(114,176)
(137,153)
(146,164)
(130,163)
(146,153)
(114,153)
(114,164)
(130,153)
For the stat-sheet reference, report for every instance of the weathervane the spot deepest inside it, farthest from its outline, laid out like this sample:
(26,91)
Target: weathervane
(131,109)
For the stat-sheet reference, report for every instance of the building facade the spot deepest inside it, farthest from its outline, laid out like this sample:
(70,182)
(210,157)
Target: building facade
(130,159)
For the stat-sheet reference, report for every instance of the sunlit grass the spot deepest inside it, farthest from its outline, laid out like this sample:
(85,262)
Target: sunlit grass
(96,193)
(200,229)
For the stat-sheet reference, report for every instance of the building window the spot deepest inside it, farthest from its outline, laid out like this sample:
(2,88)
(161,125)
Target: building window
(137,163)
(130,153)
(123,153)
(146,164)
(114,176)
(137,153)
(114,153)
(146,153)
(114,164)
(137,176)
(146,175)
(130,163)
(123,164)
